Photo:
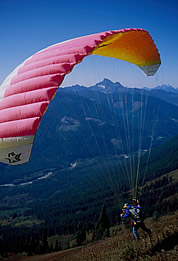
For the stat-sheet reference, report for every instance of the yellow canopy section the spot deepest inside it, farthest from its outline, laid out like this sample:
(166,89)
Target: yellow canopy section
(135,46)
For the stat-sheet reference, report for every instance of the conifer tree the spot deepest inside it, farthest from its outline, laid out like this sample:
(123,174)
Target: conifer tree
(44,241)
(57,246)
(80,236)
(32,246)
(102,226)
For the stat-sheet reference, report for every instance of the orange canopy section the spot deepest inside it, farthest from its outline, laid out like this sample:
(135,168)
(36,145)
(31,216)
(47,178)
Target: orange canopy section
(134,46)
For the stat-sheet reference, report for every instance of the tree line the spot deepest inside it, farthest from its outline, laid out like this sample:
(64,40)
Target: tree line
(36,241)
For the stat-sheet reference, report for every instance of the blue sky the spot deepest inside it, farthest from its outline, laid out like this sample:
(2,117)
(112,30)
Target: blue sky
(27,26)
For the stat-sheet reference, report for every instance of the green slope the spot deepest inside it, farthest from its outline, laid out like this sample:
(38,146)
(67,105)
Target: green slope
(162,159)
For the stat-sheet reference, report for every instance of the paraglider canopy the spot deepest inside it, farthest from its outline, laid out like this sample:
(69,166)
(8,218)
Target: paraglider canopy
(26,92)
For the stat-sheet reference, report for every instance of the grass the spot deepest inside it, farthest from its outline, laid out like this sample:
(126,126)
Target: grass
(161,245)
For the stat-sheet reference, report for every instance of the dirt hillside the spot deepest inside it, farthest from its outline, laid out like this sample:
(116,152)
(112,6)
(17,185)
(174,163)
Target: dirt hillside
(161,245)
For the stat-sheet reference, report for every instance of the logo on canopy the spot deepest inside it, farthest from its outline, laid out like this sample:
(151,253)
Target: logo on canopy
(12,157)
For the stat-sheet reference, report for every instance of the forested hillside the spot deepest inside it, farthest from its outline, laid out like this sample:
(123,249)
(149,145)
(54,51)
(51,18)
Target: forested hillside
(76,206)
(105,120)
(161,245)
(100,148)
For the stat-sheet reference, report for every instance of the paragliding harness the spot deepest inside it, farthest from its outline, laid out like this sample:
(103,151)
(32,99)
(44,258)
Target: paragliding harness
(137,215)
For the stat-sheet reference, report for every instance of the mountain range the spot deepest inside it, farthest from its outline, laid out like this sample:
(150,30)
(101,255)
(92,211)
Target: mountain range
(91,147)
(98,122)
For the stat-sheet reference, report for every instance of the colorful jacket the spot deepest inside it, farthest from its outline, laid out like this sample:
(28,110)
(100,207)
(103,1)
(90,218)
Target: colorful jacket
(134,217)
